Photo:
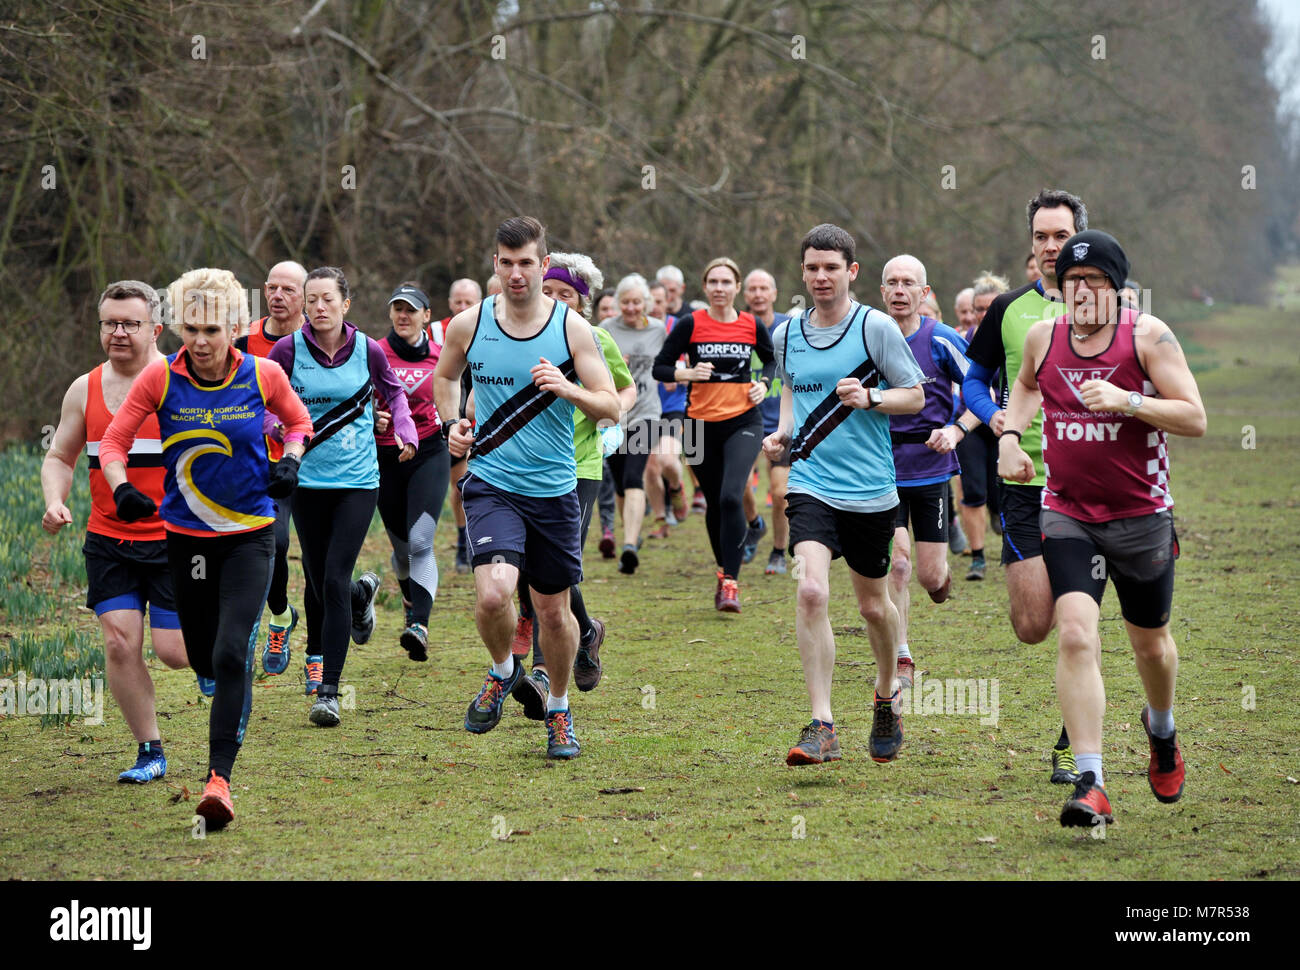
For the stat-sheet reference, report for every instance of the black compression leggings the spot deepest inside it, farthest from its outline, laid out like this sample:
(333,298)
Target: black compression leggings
(277,598)
(331,523)
(728,451)
(588,489)
(220,584)
(411,494)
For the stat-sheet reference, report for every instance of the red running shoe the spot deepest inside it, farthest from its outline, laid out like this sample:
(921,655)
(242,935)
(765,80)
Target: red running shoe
(729,595)
(522,644)
(906,672)
(215,805)
(1166,772)
(1088,806)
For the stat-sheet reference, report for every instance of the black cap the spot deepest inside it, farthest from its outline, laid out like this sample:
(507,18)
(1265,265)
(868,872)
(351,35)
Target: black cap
(412,295)
(1092,247)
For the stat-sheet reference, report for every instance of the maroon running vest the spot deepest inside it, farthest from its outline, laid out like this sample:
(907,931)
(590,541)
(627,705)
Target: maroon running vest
(1100,466)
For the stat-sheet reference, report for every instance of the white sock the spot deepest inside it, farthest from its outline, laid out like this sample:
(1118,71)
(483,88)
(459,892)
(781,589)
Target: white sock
(554,703)
(1089,762)
(505,669)
(1161,722)
(904,652)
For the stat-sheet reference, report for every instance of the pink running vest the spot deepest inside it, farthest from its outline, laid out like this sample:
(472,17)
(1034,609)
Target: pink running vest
(1100,466)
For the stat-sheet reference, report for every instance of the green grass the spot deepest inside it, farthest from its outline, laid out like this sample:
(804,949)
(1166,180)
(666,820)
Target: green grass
(401,790)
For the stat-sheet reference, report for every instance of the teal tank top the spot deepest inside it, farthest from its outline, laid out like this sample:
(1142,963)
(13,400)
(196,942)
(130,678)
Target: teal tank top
(342,450)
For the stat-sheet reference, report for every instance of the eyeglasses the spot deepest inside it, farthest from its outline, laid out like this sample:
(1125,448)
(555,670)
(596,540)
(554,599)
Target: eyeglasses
(107,327)
(1095,281)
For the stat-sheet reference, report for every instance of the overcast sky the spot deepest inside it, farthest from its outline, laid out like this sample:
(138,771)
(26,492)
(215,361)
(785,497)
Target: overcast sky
(1287,14)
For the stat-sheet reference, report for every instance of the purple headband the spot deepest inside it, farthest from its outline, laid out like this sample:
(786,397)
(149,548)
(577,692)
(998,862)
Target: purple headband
(564,276)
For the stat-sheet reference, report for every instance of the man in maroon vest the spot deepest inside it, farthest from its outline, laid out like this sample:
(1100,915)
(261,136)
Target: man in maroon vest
(1112,383)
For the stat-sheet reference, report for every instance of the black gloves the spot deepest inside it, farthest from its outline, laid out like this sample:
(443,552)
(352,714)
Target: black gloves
(284,477)
(132,504)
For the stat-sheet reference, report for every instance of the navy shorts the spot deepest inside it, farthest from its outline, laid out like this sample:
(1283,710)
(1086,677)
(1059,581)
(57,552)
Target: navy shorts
(538,536)
(124,574)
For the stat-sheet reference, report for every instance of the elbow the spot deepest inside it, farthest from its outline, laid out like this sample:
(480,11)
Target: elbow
(915,400)
(1199,426)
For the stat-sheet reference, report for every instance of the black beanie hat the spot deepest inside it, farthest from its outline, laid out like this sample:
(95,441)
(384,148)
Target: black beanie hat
(1092,247)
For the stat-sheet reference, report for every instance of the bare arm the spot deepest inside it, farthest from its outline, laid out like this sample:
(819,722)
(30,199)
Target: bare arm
(774,445)
(893,400)
(1178,409)
(1014,462)
(595,396)
(61,460)
(452,362)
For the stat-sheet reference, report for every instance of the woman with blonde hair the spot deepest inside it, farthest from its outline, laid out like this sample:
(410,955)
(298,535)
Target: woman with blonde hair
(211,401)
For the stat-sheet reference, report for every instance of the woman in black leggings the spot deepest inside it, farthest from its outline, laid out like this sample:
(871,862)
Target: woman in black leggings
(411,493)
(726,428)
(217,503)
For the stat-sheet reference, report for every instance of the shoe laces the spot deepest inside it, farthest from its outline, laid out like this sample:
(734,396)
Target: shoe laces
(883,720)
(492,690)
(217,786)
(275,641)
(1164,749)
(316,671)
(812,733)
(730,589)
(1065,759)
(559,724)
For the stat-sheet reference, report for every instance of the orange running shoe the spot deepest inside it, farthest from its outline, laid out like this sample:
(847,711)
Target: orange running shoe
(215,804)
(522,644)
(729,596)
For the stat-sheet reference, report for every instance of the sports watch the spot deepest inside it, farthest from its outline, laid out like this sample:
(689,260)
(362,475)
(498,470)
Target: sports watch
(875,397)
(1134,402)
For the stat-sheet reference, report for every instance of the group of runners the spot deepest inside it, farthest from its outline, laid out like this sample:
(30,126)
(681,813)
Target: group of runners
(537,397)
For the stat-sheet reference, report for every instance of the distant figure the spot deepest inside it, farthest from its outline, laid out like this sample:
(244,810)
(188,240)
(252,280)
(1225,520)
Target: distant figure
(1032,273)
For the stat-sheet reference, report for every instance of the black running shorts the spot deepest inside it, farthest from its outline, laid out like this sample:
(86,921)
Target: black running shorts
(864,539)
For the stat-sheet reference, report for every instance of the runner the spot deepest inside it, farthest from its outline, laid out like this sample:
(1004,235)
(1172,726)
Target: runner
(606,307)
(1032,272)
(964,308)
(571,279)
(283,291)
(722,397)
(639,339)
(411,493)
(1053,216)
(760,298)
(336,371)
(672,394)
(1112,383)
(833,359)
(978,451)
(126,562)
(464,293)
(923,446)
(210,401)
(523,351)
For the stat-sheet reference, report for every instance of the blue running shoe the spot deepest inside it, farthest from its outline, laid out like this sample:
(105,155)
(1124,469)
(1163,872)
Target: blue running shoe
(275,655)
(315,672)
(207,685)
(753,535)
(561,742)
(485,710)
(149,764)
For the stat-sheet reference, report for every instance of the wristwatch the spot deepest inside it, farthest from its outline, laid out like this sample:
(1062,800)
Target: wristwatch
(1134,402)
(875,397)
(446,428)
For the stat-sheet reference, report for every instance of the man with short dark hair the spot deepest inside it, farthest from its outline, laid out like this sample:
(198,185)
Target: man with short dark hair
(1054,216)
(525,354)
(126,562)
(1112,383)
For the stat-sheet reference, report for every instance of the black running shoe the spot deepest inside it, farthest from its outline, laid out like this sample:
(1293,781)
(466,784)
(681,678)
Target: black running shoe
(1064,771)
(531,691)
(586,665)
(363,607)
(485,710)
(415,641)
(886,731)
(628,562)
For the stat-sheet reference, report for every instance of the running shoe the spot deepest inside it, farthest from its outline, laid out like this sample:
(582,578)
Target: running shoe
(1088,806)
(325,711)
(677,499)
(275,655)
(1064,771)
(775,564)
(215,805)
(717,593)
(149,764)
(586,665)
(670,519)
(752,539)
(1166,772)
(415,641)
(532,691)
(485,710)
(699,503)
(958,544)
(607,544)
(314,670)
(886,731)
(662,531)
(817,745)
(408,612)
(561,742)
(729,596)
(522,644)
(944,591)
(207,685)
(906,672)
(363,616)
(628,562)
(976,570)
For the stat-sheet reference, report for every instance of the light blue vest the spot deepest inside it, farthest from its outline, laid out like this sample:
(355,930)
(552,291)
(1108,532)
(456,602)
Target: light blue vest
(523,439)
(342,451)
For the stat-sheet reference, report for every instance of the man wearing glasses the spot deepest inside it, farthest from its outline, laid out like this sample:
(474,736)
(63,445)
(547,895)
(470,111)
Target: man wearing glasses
(126,562)
(1112,383)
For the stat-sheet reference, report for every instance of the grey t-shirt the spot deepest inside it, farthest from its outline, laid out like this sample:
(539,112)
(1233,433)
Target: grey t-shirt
(640,347)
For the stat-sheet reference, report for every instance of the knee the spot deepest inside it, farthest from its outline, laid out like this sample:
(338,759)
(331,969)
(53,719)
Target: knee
(874,609)
(901,568)
(494,599)
(1077,637)
(814,596)
(1030,627)
(171,651)
(732,503)
(931,575)
(227,664)
(1157,648)
(120,648)
(552,614)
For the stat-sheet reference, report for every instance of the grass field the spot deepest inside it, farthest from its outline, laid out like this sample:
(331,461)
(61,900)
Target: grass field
(682,773)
